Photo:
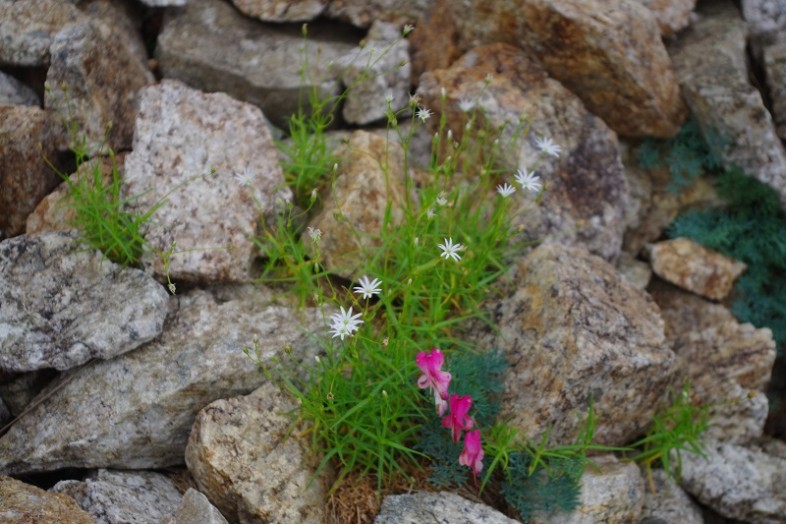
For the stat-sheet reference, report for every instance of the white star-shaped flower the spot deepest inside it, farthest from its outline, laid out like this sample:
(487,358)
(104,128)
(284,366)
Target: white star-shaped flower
(246,177)
(528,180)
(344,324)
(466,105)
(546,145)
(505,190)
(367,287)
(450,250)
(423,114)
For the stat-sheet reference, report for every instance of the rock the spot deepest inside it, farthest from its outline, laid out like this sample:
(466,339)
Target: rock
(27,29)
(576,333)
(14,92)
(120,497)
(635,271)
(354,212)
(210,46)
(210,163)
(25,177)
(668,503)
(165,3)
(611,491)
(728,364)
(764,16)
(18,391)
(78,307)
(427,508)
(710,63)
(363,13)
(5,413)
(280,10)
(243,457)
(136,410)
(775,71)
(741,483)
(672,15)
(694,267)
(377,69)
(615,63)
(26,504)
(434,41)
(586,192)
(196,509)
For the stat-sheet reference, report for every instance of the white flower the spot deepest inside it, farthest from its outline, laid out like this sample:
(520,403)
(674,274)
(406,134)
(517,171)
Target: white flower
(314,233)
(528,180)
(407,29)
(430,213)
(246,177)
(442,199)
(389,98)
(344,324)
(546,145)
(466,105)
(367,287)
(506,190)
(423,114)
(450,250)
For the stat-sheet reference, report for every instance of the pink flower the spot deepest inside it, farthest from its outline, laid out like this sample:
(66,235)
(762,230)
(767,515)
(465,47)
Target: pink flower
(472,455)
(458,419)
(433,377)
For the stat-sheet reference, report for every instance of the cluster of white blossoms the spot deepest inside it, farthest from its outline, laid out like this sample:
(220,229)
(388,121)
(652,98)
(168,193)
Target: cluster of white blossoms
(344,323)
(528,180)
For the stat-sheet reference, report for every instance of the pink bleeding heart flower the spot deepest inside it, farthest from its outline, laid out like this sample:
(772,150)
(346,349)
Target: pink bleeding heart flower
(458,420)
(433,377)
(472,455)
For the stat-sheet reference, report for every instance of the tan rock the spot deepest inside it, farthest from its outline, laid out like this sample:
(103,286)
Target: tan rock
(363,13)
(672,15)
(694,267)
(26,504)
(433,43)
(245,460)
(577,333)
(281,10)
(775,67)
(614,62)
(370,177)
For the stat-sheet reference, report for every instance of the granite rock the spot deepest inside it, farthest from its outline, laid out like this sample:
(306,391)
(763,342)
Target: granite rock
(775,71)
(281,10)
(434,41)
(136,410)
(575,333)
(436,508)
(27,29)
(244,459)
(668,503)
(195,508)
(78,307)
(14,92)
(26,504)
(672,15)
(363,13)
(764,16)
(210,162)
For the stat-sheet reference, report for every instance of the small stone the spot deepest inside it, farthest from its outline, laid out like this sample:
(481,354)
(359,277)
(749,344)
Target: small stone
(421,507)
(669,503)
(196,509)
(694,267)
(26,504)
(636,272)
(281,10)
(672,15)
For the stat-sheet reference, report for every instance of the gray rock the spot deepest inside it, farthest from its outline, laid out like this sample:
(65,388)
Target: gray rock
(211,46)
(764,16)
(437,508)
(25,177)
(78,307)
(775,71)
(576,332)
(668,503)
(363,13)
(611,491)
(586,192)
(27,29)
(26,504)
(672,15)
(12,91)
(136,411)
(211,163)
(710,63)
(196,509)
(244,458)
(377,69)
(741,483)
(164,3)
(281,10)
(123,497)
(635,271)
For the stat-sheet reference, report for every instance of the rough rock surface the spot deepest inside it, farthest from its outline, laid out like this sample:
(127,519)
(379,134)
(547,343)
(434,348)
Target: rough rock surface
(12,91)
(710,63)
(26,504)
(436,508)
(669,503)
(18,391)
(25,177)
(694,267)
(727,363)
(213,47)
(635,271)
(79,306)
(377,69)
(775,68)
(764,16)
(354,211)
(614,62)
(124,497)
(672,15)
(211,163)
(434,41)
(136,411)
(363,13)
(611,491)
(576,332)
(242,457)
(196,509)
(165,3)
(585,189)
(281,10)
(94,79)
(27,29)
(741,483)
